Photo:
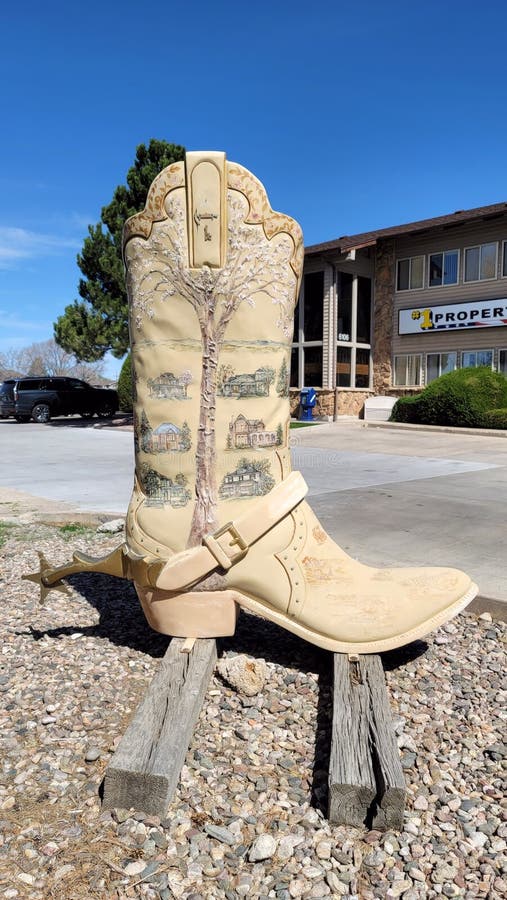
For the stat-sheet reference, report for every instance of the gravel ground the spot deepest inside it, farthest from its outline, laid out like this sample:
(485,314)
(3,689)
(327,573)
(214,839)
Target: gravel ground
(247,820)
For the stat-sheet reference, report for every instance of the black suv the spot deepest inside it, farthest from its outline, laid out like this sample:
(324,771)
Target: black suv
(7,404)
(39,398)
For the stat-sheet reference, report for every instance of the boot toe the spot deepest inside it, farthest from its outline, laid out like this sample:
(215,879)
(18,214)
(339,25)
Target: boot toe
(384,608)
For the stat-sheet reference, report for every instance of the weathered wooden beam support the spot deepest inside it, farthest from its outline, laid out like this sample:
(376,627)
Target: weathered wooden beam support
(366,782)
(144,770)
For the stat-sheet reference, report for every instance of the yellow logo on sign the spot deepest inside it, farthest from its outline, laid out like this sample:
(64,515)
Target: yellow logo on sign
(425,314)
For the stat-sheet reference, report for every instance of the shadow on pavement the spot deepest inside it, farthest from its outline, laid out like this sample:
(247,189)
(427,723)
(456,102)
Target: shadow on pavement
(79,422)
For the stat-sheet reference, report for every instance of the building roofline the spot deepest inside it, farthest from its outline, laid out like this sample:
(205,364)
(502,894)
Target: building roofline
(348,242)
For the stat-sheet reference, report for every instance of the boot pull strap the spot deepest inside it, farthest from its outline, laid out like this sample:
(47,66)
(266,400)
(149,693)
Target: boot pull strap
(190,566)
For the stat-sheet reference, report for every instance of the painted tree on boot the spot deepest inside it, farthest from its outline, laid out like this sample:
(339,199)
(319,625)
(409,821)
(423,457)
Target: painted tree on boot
(157,272)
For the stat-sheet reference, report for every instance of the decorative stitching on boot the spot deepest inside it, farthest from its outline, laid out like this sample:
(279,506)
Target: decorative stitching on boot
(289,561)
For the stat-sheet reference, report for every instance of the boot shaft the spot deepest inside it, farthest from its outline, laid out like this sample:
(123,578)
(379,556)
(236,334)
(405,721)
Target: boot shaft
(212,277)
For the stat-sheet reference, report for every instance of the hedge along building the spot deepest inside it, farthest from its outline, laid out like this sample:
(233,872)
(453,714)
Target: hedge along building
(387,311)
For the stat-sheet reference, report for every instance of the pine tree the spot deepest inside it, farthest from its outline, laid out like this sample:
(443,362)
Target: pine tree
(96,323)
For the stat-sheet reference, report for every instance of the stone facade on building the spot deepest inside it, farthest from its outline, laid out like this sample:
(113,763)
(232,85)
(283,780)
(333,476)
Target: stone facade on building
(384,283)
(333,403)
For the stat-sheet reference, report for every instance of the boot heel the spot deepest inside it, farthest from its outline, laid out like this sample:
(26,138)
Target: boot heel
(196,614)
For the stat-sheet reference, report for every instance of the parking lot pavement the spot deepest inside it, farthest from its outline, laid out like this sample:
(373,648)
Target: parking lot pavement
(91,468)
(388,497)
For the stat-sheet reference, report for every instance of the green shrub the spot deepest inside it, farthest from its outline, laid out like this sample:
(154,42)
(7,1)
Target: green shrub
(461,398)
(125,386)
(496,418)
(405,409)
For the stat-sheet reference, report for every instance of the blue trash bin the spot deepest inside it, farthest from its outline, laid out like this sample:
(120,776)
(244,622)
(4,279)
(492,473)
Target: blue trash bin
(307,401)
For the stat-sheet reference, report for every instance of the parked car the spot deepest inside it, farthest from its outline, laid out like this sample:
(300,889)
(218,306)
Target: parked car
(7,402)
(41,398)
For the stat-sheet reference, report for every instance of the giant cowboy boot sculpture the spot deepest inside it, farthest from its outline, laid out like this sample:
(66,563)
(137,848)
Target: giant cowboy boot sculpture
(217,520)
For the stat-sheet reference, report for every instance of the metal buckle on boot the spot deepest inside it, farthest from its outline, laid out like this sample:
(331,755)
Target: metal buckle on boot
(223,559)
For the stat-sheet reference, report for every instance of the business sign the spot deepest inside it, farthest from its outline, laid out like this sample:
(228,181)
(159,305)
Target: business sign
(483,313)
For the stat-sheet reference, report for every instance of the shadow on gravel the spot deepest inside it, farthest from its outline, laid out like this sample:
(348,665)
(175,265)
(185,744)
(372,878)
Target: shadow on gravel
(393,659)
(121,621)
(258,637)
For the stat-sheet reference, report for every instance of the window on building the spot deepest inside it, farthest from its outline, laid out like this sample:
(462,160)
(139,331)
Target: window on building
(410,275)
(362,368)
(407,371)
(438,364)
(504,259)
(312,366)
(344,318)
(343,366)
(295,337)
(363,310)
(313,318)
(306,358)
(294,367)
(353,332)
(480,262)
(502,361)
(471,358)
(444,268)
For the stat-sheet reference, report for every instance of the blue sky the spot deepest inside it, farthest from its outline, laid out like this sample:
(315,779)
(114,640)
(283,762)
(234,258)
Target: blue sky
(354,115)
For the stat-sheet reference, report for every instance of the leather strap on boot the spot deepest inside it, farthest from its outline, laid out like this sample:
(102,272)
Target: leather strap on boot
(222,549)
(227,546)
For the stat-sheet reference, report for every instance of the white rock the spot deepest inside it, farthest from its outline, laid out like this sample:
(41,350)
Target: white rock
(311,817)
(405,741)
(135,867)
(337,886)
(264,847)
(477,839)
(312,872)
(62,871)
(246,675)
(416,874)
(398,888)
(498,845)
(287,844)
(112,527)
(323,850)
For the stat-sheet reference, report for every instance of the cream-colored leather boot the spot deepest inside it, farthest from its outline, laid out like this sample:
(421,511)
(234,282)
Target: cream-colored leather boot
(213,275)
(217,520)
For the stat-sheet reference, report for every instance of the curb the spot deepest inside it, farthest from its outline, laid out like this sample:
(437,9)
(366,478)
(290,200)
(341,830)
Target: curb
(438,429)
(496,608)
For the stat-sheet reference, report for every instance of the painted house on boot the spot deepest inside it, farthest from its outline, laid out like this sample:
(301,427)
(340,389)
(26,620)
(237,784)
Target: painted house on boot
(387,311)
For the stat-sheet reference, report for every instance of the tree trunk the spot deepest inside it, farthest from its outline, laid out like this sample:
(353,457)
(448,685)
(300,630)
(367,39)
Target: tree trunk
(206,494)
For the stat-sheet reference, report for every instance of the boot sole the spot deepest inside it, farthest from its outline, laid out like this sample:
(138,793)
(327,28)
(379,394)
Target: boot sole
(212,614)
(326,643)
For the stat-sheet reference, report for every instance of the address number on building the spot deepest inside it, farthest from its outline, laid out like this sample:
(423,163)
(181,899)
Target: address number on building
(428,319)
